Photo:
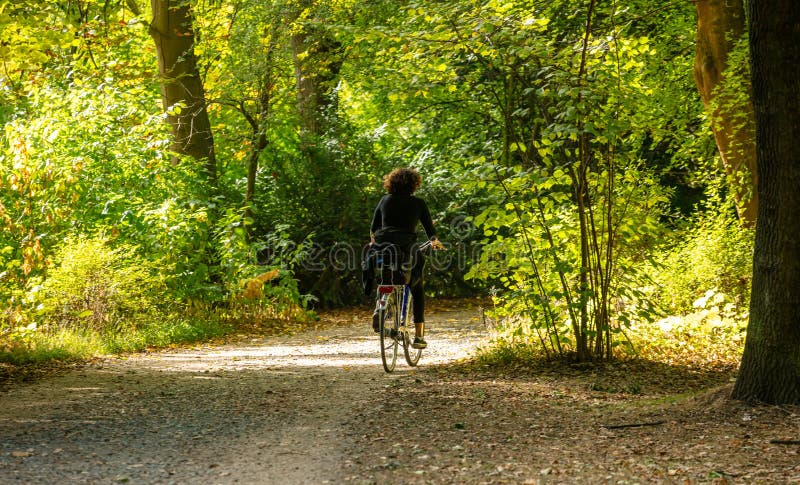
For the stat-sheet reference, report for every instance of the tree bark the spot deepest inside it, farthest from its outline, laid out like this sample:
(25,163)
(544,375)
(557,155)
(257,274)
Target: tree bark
(259,142)
(720,23)
(309,95)
(182,92)
(770,369)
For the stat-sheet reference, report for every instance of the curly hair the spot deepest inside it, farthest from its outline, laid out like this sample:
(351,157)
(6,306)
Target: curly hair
(402,181)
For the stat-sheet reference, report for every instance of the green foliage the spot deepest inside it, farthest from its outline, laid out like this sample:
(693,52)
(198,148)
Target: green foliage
(96,287)
(571,202)
(711,259)
(30,30)
(81,343)
(707,338)
(513,341)
(328,197)
(99,298)
(80,162)
(174,329)
(255,291)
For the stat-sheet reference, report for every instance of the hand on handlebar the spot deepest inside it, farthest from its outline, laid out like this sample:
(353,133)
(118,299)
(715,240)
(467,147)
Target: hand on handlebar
(436,244)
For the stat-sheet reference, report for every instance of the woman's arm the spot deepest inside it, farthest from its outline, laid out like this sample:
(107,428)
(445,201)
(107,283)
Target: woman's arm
(377,221)
(425,219)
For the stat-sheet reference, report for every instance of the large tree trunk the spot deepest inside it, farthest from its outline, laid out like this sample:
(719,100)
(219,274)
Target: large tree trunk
(720,23)
(770,370)
(181,84)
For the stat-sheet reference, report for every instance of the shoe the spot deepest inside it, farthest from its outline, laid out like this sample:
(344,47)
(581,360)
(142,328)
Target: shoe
(419,343)
(376,324)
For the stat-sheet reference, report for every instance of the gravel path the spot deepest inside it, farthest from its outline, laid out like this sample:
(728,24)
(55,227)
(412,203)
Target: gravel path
(318,408)
(268,410)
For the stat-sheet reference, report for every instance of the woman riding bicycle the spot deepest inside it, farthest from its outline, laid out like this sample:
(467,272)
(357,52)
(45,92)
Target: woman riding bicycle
(395,222)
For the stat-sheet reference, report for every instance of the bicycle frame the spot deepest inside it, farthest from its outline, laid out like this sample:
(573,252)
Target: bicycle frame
(383,296)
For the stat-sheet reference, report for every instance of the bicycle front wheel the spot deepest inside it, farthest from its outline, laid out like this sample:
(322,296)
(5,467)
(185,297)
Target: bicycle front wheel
(412,354)
(389,323)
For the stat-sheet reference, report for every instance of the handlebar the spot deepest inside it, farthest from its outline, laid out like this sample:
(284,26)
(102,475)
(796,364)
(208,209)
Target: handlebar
(422,246)
(428,244)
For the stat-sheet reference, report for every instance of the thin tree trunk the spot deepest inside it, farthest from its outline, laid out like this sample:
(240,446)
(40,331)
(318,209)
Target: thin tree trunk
(317,60)
(309,96)
(133,6)
(770,370)
(182,92)
(720,23)
(259,142)
(580,181)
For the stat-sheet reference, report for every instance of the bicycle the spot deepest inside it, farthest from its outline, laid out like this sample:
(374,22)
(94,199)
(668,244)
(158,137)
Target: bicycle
(393,316)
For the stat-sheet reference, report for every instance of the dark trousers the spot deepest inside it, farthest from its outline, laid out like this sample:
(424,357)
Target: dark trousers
(418,288)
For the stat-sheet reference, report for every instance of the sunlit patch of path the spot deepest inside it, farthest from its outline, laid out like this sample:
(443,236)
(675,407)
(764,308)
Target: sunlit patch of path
(451,335)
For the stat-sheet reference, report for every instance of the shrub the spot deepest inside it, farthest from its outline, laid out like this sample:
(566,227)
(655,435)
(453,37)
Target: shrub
(96,287)
(714,255)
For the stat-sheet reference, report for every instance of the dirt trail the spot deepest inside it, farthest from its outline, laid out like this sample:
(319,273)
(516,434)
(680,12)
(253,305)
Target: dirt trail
(268,410)
(318,408)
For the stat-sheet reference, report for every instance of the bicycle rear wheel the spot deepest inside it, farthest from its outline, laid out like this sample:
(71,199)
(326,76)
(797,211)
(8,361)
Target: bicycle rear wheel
(412,354)
(389,323)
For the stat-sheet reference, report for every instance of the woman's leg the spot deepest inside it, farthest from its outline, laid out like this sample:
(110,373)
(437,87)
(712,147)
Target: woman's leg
(418,293)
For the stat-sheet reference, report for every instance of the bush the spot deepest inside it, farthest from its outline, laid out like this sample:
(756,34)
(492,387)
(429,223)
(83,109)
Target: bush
(705,338)
(712,257)
(96,287)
